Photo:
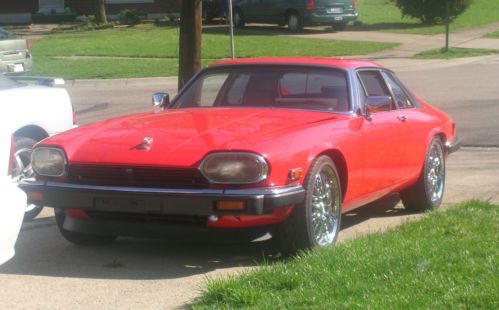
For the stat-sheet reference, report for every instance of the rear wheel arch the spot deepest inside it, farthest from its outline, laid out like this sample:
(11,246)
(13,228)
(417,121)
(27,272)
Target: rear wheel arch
(31,131)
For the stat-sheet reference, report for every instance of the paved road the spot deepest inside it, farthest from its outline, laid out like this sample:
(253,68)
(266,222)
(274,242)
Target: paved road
(469,93)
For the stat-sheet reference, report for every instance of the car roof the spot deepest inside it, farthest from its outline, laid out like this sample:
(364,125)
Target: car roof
(315,61)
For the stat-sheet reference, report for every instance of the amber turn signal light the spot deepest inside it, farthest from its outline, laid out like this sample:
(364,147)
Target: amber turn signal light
(295,174)
(226,205)
(35,196)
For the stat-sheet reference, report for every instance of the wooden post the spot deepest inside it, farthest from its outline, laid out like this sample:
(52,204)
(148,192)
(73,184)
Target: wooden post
(189,40)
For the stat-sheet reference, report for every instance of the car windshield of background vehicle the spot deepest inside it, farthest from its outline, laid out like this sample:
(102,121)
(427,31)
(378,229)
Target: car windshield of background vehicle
(269,86)
(6,83)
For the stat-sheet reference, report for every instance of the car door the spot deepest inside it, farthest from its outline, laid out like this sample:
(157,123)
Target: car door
(416,126)
(383,137)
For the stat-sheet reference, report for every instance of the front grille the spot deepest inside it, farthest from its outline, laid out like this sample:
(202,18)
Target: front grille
(164,219)
(136,176)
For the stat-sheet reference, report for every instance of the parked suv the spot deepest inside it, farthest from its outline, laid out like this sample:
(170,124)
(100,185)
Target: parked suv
(295,13)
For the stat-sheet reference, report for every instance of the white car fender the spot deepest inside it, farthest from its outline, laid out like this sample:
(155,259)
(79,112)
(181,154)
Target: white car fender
(45,107)
(11,216)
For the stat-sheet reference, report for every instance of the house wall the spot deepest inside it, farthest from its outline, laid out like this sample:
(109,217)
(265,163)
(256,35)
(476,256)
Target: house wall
(18,6)
(89,6)
(159,6)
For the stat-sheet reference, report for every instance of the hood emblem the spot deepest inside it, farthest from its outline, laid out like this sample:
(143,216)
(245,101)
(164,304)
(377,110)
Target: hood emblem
(145,145)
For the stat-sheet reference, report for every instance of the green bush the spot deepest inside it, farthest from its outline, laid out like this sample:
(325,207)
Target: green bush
(129,17)
(431,11)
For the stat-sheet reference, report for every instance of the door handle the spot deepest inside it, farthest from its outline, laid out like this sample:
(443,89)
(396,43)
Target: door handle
(402,118)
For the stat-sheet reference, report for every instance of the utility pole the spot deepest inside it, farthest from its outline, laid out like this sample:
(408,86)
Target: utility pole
(231,25)
(189,40)
(447,22)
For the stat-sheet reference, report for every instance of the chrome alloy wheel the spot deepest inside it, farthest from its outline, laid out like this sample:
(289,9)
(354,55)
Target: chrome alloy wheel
(23,169)
(435,174)
(325,207)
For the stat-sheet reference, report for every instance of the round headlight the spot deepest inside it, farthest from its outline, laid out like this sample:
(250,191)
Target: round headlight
(234,168)
(48,161)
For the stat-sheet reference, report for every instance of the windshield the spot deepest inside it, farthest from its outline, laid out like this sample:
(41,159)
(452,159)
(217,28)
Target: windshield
(295,87)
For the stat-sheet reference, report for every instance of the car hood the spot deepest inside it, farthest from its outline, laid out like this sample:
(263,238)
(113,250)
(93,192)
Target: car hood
(179,137)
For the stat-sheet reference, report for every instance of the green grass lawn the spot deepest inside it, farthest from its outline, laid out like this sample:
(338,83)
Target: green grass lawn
(454,52)
(493,35)
(448,260)
(149,41)
(384,15)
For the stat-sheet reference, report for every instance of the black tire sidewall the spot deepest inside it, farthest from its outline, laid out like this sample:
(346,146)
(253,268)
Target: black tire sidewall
(299,26)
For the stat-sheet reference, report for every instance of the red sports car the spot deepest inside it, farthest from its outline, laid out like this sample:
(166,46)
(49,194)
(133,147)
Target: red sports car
(275,144)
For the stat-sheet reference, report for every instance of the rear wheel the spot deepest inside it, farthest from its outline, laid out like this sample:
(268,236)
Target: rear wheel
(316,223)
(428,191)
(294,22)
(23,170)
(238,19)
(79,238)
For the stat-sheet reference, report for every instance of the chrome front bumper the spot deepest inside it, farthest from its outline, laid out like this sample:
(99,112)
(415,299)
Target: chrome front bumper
(161,200)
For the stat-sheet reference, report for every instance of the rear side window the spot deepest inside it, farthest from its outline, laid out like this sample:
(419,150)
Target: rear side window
(401,98)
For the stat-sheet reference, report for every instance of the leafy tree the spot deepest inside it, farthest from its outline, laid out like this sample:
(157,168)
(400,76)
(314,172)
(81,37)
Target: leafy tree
(431,12)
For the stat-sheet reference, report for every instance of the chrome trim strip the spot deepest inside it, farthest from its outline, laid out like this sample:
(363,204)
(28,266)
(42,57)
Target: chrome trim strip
(264,191)
(453,146)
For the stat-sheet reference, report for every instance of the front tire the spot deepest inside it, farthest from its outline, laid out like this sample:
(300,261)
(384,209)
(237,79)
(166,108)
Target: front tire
(23,170)
(79,238)
(427,193)
(315,223)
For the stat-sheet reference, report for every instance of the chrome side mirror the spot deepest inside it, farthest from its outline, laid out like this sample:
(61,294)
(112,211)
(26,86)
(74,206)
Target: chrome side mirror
(161,100)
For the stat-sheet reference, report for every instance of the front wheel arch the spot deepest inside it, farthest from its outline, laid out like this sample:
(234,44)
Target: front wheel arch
(341,167)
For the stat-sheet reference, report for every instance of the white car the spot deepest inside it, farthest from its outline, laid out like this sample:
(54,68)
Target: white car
(13,198)
(34,109)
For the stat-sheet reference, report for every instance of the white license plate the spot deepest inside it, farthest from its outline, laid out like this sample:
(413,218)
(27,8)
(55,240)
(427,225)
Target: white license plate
(338,18)
(18,68)
(334,10)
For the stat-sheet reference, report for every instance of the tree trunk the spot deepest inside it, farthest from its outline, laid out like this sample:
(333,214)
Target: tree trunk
(100,16)
(189,40)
